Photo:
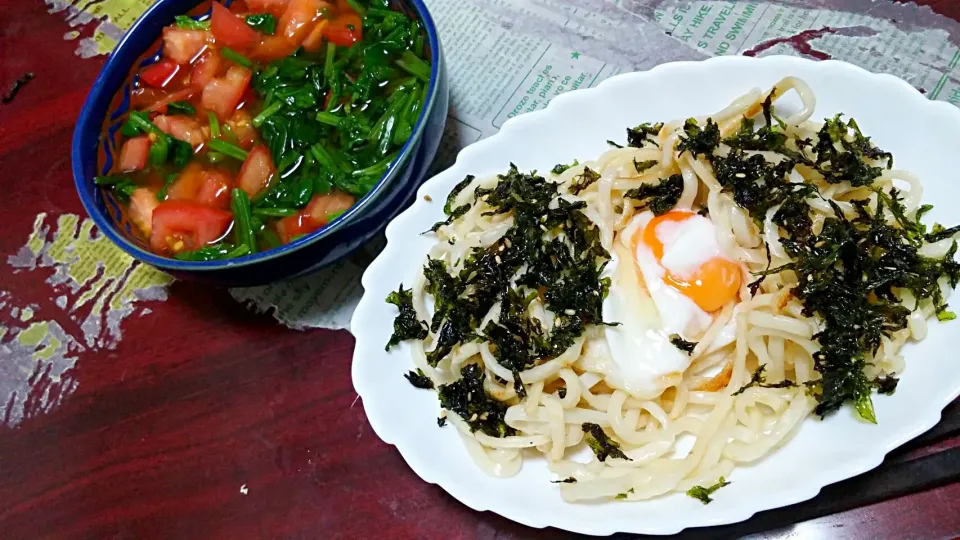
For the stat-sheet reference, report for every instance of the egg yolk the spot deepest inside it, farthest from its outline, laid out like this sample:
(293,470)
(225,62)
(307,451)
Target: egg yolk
(715,282)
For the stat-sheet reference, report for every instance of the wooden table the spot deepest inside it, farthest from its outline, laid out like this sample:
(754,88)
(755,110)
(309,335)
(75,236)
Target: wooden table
(209,421)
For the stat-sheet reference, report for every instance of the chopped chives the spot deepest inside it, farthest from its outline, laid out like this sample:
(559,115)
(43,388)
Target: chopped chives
(181,107)
(236,57)
(227,149)
(189,23)
(243,220)
(361,11)
(329,119)
(328,64)
(214,125)
(159,150)
(162,194)
(377,169)
(138,122)
(414,66)
(109,180)
(259,119)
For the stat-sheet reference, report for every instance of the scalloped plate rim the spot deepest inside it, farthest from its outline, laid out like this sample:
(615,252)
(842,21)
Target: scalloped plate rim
(926,419)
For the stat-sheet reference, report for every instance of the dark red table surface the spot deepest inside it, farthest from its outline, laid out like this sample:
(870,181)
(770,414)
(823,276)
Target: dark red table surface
(203,400)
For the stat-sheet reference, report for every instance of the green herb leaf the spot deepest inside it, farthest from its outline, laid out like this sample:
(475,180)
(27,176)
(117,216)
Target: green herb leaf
(121,186)
(644,134)
(418,379)
(644,166)
(467,398)
(236,57)
(567,480)
(601,444)
(243,219)
(162,193)
(583,180)
(227,149)
(886,384)
(405,325)
(699,141)
(181,107)
(758,379)
(264,23)
(189,23)
(180,152)
(702,494)
(560,168)
(659,198)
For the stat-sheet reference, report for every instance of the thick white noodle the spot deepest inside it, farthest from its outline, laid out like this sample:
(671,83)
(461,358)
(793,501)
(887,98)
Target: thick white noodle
(699,428)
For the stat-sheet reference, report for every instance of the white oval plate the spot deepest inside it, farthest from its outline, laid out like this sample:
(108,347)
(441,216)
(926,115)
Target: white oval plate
(922,136)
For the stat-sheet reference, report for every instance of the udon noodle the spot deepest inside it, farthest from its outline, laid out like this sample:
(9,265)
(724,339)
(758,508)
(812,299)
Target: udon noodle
(698,429)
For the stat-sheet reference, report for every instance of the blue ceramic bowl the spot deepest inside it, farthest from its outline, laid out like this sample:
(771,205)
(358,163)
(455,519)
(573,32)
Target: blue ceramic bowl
(109,100)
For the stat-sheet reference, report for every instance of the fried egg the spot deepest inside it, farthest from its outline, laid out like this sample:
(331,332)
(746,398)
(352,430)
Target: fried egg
(668,276)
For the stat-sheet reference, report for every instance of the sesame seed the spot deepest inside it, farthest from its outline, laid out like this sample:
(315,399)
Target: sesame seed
(427,198)
(506,242)
(497,258)
(474,417)
(740,175)
(570,311)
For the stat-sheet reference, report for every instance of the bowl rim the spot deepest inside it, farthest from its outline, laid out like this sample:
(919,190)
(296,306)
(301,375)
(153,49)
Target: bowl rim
(89,130)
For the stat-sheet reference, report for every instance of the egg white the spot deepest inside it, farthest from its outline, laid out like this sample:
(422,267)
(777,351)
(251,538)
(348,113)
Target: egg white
(642,361)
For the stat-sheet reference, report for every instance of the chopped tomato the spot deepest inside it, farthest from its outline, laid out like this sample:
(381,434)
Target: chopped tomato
(180,95)
(322,207)
(295,23)
(276,7)
(292,226)
(223,94)
(315,38)
(230,30)
(133,154)
(273,48)
(242,126)
(208,67)
(142,203)
(319,212)
(345,30)
(186,226)
(181,45)
(256,171)
(159,73)
(181,127)
(215,191)
(187,184)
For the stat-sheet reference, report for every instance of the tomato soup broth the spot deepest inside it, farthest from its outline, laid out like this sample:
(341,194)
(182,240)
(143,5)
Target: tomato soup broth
(264,121)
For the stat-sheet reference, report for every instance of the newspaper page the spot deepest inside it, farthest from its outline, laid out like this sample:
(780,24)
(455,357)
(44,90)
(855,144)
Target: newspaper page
(510,57)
